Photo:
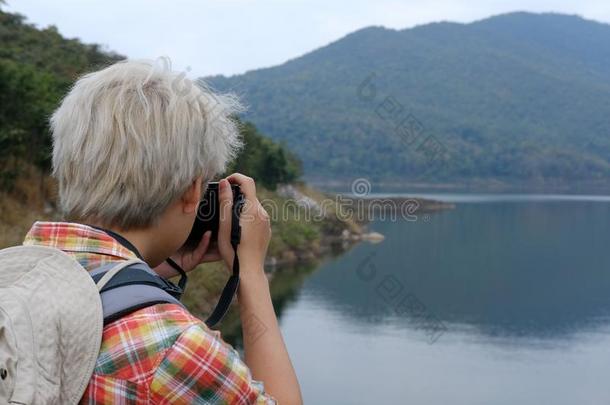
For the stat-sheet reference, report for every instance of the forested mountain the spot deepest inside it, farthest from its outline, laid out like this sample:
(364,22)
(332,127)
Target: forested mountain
(37,67)
(518,97)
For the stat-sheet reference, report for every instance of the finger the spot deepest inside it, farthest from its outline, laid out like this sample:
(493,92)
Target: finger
(225,198)
(245,183)
(199,252)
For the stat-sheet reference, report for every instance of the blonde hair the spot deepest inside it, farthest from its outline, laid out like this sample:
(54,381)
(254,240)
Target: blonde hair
(129,139)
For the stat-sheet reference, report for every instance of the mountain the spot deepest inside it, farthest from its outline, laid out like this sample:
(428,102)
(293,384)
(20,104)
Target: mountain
(515,98)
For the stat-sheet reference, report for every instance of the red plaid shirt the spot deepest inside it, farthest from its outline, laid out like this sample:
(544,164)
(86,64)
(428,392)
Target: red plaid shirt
(161,354)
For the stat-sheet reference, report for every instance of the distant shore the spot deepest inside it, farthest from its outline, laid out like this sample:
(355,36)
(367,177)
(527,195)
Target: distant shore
(470,186)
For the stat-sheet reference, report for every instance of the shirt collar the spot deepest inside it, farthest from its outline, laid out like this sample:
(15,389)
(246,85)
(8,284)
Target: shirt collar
(88,244)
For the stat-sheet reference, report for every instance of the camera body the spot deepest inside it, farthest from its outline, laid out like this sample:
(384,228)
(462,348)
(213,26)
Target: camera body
(208,215)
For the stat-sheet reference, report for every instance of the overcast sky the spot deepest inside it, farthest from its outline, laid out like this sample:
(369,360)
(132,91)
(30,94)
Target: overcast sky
(233,36)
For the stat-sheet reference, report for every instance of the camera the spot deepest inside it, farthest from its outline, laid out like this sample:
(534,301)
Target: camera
(208,215)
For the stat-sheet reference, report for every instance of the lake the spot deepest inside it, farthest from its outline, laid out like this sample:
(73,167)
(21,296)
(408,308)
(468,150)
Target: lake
(503,300)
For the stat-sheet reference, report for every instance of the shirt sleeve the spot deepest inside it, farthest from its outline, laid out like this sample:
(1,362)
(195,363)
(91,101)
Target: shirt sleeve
(200,368)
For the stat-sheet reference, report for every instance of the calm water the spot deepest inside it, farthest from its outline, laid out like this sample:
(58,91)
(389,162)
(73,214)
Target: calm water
(522,286)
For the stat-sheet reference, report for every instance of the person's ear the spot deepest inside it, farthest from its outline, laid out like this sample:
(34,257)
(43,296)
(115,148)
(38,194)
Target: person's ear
(190,198)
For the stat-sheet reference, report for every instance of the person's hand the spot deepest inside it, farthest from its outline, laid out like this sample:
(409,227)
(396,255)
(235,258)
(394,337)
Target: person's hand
(190,259)
(254,221)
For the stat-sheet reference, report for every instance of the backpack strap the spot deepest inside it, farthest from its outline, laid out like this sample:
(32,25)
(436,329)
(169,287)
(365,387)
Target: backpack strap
(123,292)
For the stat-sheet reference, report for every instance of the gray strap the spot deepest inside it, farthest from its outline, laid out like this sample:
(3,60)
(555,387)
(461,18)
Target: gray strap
(120,301)
(111,273)
(123,300)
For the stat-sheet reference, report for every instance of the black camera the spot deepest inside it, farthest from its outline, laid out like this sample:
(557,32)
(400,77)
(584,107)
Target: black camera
(208,215)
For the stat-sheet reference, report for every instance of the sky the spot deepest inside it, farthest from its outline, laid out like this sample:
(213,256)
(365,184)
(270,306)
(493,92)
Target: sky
(228,37)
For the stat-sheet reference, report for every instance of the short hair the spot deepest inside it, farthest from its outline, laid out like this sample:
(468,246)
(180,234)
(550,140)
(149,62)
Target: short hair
(130,139)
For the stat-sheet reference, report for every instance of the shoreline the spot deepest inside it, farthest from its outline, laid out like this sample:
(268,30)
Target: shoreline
(477,186)
(344,233)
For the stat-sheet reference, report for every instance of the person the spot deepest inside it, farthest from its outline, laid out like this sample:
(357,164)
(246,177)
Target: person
(134,146)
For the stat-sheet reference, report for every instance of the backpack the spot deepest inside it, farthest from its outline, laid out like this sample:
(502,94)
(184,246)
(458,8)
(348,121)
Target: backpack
(52,313)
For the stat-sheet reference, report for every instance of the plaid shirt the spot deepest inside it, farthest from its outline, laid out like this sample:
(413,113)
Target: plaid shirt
(161,354)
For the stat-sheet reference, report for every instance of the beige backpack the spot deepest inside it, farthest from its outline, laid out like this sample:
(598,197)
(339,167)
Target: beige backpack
(52,314)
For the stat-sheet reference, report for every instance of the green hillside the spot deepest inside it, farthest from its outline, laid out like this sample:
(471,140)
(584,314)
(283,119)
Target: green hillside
(37,67)
(517,98)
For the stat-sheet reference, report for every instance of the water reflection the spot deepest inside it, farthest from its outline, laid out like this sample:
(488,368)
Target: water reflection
(285,286)
(506,268)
